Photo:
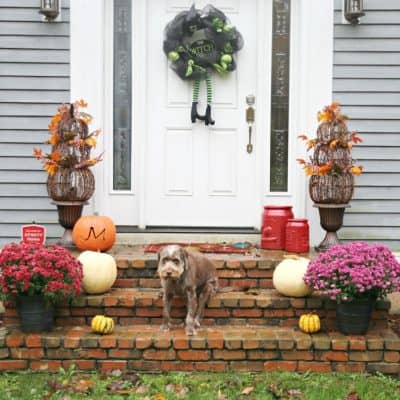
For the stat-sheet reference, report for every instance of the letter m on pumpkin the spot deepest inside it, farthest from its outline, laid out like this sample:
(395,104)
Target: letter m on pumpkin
(92,232)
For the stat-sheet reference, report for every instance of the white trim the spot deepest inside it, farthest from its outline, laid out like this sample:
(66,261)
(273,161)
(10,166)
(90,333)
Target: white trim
(263,103)
(314,89)
(140,124)
(87,60)
(310,88)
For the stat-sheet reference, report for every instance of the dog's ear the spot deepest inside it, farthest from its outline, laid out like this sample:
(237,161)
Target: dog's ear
(159,255)
(185,258)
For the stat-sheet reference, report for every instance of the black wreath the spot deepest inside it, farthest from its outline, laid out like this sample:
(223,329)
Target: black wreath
(198,42)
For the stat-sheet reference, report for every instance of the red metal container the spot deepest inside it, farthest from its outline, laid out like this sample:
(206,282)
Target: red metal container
(297,236)
(273,226)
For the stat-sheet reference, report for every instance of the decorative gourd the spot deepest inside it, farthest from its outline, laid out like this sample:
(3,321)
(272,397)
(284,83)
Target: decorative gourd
(309,323)
(94,232)
(288,277)
(102,324)
(99,271)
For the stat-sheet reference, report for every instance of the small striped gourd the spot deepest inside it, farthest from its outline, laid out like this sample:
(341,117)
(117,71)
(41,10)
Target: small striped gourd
(102,324)
(310,323)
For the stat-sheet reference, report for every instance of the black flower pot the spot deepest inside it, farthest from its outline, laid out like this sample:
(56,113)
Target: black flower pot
(35,313)
(353,316)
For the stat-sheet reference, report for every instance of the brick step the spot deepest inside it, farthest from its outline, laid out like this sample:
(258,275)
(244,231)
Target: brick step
(139,269)
(145,348)
(255,307)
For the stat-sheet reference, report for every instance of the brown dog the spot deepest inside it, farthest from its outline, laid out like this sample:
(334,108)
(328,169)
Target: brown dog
(186,274)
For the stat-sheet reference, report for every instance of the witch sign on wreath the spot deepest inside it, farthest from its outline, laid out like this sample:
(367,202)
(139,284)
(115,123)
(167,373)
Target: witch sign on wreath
(197,43)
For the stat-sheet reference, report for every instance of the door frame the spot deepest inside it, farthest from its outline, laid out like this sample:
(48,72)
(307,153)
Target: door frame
(310,89)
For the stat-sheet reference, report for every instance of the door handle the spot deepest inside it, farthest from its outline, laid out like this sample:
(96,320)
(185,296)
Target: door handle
(250,118)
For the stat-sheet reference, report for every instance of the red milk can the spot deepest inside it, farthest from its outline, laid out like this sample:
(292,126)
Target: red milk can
(273,226)
(297,236)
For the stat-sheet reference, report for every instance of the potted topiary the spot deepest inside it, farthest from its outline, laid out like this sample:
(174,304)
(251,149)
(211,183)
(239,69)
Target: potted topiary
(36,278)
(331,170)
(354,275)
(70,181)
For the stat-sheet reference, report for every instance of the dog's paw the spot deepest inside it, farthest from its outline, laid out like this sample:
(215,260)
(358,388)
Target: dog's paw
(191,331)
(165,327)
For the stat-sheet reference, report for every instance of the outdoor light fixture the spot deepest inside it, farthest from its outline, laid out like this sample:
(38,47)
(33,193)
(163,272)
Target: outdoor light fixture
(353,10)
(50,9)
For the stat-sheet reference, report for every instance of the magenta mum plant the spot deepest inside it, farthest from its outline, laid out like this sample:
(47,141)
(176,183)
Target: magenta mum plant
(28,269)
(354,271)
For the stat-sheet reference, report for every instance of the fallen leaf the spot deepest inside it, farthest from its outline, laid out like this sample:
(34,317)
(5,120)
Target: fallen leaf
(247,390)
(170,387)
(221,396)
(159,396)
(116,372)
(141,389)
(294,393)
(181,391)
(204,385)
(275,391)
(253,292)
(55,385)
(353,396)
(117,387)
(83,386)
(132,378)
(178,389)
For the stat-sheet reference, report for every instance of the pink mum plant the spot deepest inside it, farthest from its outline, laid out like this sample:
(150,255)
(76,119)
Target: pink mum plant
(28,269)
(354,271)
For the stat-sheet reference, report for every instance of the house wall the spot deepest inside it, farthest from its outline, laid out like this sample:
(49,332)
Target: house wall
(34,79)
(366,81)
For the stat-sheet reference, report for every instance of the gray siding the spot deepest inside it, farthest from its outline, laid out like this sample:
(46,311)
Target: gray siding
(34,80)
(366,81)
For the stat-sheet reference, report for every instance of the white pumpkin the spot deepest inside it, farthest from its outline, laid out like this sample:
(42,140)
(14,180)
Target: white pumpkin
(99,271)
(288,277)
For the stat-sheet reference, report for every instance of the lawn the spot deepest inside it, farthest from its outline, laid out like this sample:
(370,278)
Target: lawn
(71,384)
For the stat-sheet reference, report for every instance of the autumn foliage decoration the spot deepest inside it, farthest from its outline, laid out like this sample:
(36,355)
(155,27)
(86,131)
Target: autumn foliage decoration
(70,139)
(69,160)
(331,167)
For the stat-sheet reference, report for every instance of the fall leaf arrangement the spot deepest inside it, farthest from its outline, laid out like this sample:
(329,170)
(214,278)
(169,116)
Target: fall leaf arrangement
(70,139)
(331,146)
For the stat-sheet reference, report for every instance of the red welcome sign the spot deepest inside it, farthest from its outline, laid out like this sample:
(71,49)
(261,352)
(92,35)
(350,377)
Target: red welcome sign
(33,234)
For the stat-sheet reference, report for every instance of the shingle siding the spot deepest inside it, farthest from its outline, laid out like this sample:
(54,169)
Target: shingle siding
(366,81)
(34,79)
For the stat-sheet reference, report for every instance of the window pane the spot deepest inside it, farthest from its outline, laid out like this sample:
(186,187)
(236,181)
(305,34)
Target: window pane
(122,95)
(280,96)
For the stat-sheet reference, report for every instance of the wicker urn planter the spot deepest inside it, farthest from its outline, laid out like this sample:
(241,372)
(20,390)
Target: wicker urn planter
(331,189)
(69,184)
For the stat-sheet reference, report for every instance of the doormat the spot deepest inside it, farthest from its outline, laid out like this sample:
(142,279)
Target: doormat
(237,248)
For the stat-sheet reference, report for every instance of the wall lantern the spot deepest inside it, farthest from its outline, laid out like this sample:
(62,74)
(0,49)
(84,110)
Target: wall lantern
(353,10)
(50,9)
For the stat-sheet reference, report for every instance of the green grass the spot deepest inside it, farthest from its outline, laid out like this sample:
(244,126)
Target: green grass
(68,385)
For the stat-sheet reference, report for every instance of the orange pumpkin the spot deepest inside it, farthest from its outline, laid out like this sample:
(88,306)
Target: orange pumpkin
(94,232)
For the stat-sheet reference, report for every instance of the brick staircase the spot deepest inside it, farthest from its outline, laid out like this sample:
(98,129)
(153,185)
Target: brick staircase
(251,327)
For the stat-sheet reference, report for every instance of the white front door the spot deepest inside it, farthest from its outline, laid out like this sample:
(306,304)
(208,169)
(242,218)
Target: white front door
(198,175)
